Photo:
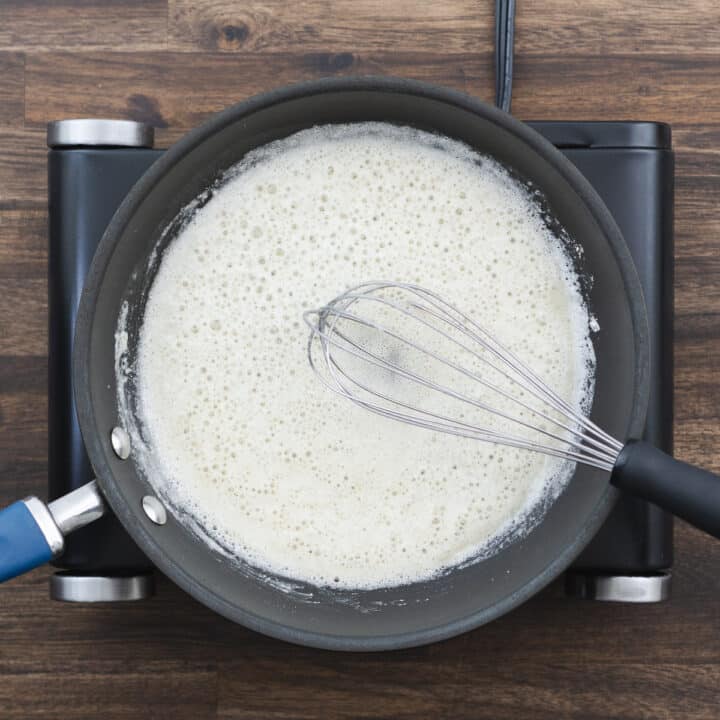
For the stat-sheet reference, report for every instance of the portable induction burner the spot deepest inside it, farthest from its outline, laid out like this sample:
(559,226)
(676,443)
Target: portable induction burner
(92,164)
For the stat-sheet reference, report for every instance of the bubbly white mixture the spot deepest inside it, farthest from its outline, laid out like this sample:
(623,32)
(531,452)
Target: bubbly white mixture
(240,434)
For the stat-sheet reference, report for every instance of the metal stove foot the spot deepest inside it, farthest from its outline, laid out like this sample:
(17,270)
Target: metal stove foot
(84,588)
(619,588)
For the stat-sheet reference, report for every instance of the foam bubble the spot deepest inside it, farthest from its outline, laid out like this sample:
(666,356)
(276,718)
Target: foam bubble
(243,438)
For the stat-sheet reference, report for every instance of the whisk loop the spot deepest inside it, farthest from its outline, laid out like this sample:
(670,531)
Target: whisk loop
(357,345)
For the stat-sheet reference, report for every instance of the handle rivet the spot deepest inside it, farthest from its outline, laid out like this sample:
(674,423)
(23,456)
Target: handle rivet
(154,509)
(120,442)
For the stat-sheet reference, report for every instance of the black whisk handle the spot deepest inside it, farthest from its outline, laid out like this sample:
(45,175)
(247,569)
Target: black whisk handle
(684,490)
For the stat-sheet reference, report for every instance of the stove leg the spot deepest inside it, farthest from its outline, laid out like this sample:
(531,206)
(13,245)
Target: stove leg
(68,586)
(650,588)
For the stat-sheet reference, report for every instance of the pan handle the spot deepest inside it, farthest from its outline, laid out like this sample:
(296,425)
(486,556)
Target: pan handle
(684,490)
(32,533)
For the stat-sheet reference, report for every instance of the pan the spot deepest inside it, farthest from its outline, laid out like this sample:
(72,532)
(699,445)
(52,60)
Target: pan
(463,597)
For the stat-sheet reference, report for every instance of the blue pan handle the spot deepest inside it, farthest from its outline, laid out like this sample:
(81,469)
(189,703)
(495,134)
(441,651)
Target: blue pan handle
(32,533)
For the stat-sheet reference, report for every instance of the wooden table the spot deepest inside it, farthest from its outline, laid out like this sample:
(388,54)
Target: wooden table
(172,63)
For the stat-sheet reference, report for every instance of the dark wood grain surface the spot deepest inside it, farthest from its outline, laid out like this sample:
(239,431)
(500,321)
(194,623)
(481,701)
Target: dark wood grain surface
(172,63)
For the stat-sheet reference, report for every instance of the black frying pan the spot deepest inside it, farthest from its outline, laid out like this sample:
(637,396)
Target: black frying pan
(395,617)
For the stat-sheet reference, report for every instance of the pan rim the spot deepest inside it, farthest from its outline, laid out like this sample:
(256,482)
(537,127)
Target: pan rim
(82,361)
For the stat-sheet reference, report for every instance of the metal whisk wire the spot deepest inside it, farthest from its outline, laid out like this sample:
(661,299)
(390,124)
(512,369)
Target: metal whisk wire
(583,441)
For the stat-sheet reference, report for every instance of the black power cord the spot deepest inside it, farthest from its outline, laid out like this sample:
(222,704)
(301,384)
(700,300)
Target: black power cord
(504,39)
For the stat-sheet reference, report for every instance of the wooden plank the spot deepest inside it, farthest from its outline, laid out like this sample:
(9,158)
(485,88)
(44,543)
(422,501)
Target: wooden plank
(697,296)
(696,290)
(664,88)
(23,243)
(23,321)
(322,26)
(89,696)
(24,375)
(122,25)
(615,27)
(21,478)
(463,26)
(545,649)
(171,89)
(697,444)
(23,168)
(698,151)
(12,88)
(464,687)
(25,416)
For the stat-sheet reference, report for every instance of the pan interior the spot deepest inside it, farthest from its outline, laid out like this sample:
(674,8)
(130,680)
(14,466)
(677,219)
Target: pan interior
(250,462)
(388,617)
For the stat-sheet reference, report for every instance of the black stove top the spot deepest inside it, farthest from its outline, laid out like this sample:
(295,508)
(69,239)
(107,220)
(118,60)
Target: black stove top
(91,169)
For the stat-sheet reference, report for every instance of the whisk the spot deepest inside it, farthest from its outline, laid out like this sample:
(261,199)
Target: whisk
(405,353)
